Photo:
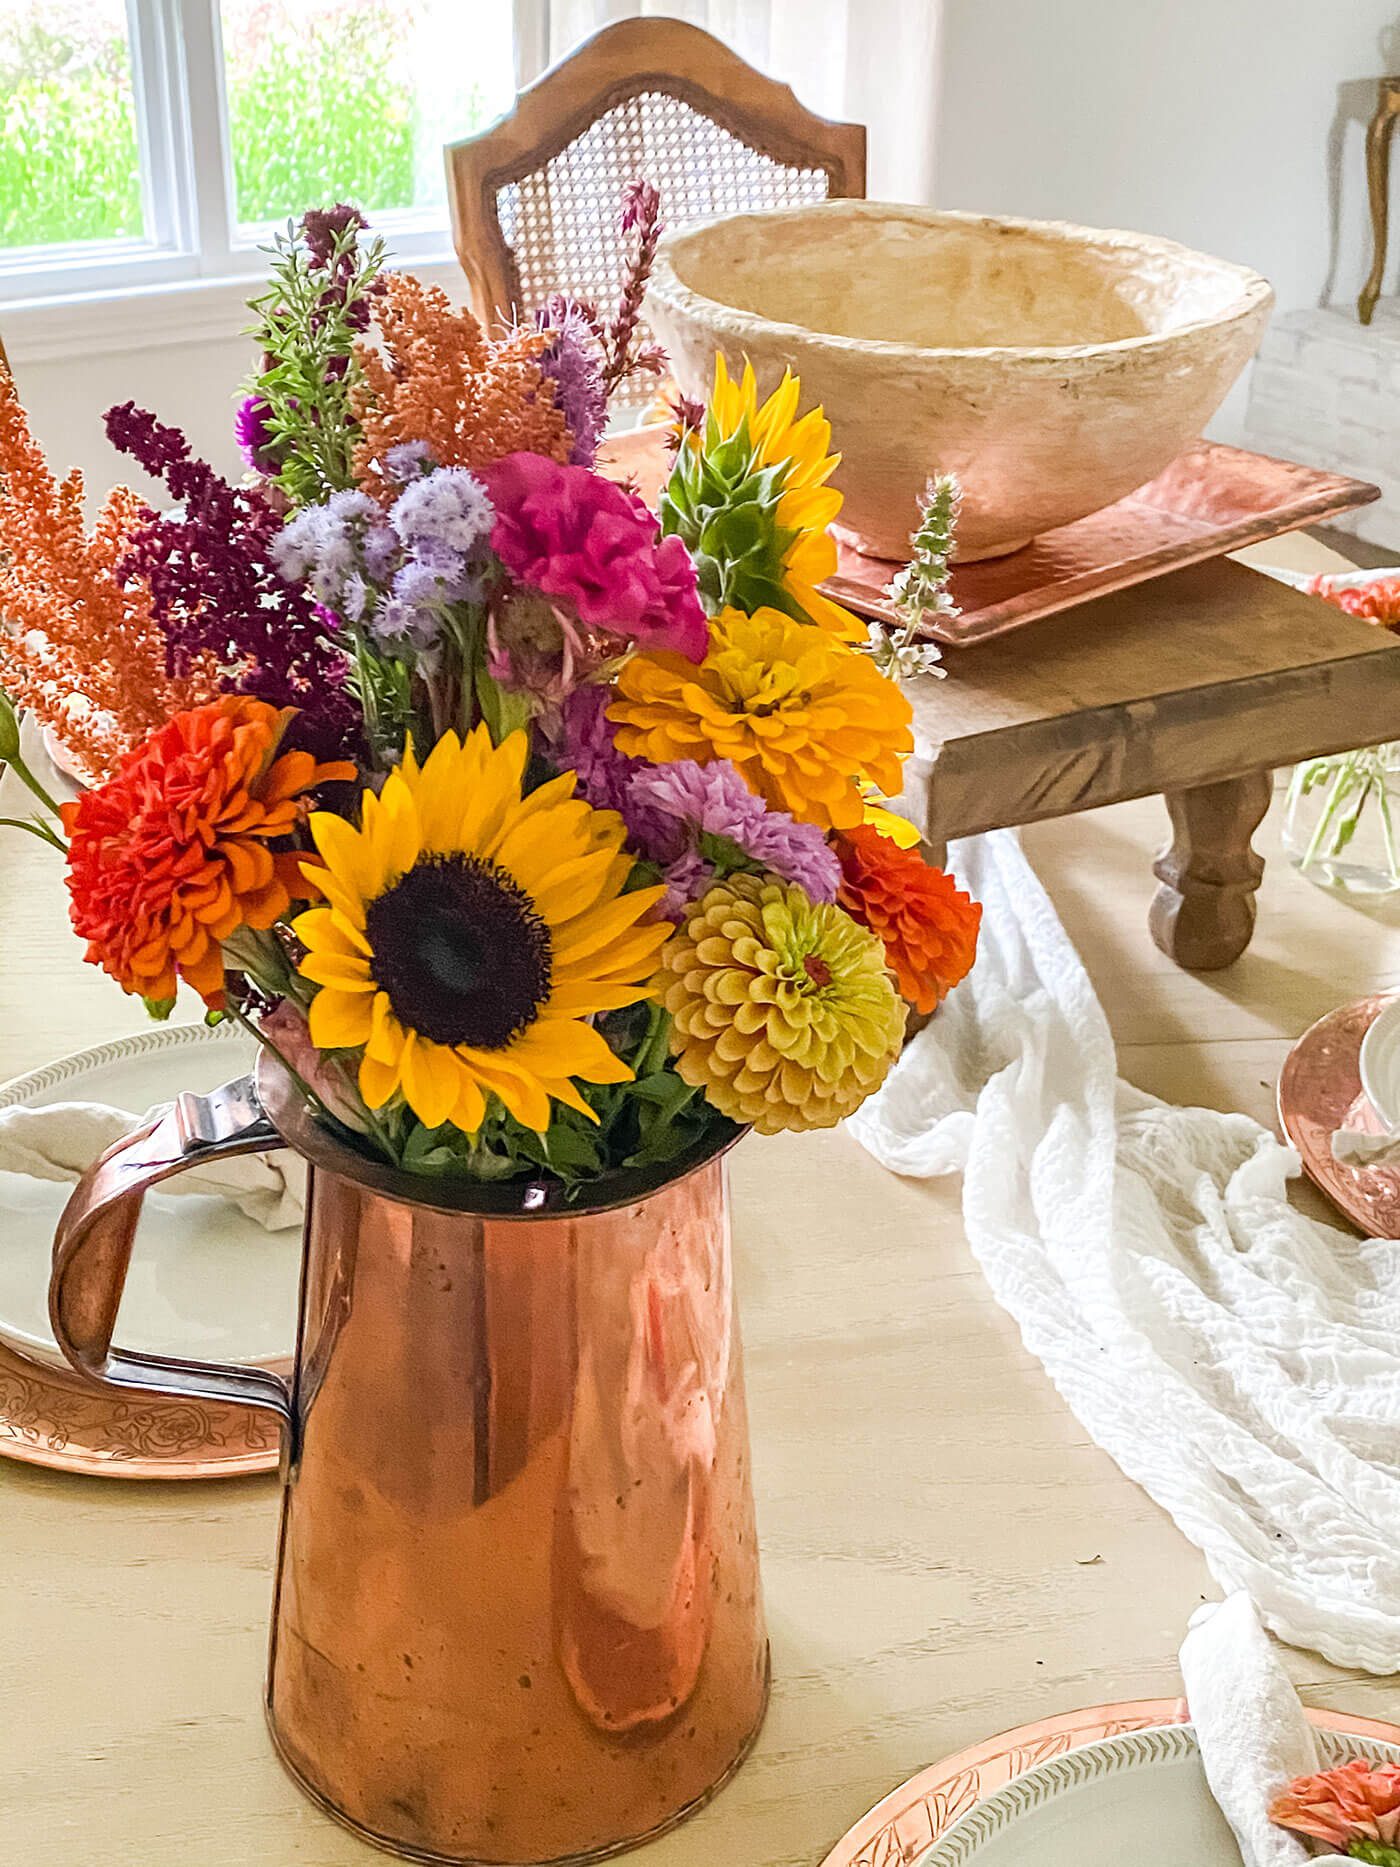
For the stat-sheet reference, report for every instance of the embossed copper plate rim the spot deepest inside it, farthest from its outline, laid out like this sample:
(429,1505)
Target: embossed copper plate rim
(51,1418)
(1319,1091)
(913,1817)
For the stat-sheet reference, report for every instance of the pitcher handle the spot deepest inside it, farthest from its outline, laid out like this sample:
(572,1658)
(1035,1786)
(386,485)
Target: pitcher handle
(92,1249)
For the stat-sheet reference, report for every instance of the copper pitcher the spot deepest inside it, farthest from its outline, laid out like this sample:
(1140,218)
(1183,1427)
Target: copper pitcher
(517,1613)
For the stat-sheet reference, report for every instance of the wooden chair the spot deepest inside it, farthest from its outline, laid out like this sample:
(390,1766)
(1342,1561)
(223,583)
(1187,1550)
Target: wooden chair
(535,198)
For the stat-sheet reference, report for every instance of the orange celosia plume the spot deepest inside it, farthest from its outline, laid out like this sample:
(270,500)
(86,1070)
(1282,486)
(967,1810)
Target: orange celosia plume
(929,926)
(76,646)
(441,380)
(171,856)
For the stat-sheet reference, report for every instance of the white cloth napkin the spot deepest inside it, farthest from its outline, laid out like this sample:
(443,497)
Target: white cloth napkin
(1240,1361)
(1253,1735)
(61,1141)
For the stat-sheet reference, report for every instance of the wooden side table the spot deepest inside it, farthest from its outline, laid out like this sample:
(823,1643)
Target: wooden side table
(1195,687)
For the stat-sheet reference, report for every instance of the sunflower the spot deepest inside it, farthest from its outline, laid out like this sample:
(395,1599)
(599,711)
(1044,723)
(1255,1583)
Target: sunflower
(804,718)
(749,497)
(470,932)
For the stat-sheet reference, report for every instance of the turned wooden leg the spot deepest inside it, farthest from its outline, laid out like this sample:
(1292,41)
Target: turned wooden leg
(1203,914)
(1378,135)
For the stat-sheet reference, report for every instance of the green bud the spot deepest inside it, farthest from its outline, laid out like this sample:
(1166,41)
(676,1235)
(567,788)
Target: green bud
(159,1008)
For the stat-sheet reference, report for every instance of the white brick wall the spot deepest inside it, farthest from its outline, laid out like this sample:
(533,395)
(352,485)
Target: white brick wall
(1326,390)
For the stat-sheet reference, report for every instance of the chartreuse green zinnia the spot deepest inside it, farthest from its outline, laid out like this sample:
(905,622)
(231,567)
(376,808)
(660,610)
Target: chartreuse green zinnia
(782,1009)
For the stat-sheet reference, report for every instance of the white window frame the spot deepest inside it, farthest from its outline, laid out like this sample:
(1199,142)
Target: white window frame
(194,251)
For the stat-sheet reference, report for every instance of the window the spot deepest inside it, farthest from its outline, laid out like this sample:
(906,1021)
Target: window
(146,142)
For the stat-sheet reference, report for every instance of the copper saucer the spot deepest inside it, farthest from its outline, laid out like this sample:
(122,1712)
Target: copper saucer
(911,1818)
(1319,1091)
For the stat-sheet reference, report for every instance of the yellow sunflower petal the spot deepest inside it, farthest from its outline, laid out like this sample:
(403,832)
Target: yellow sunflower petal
(339,1020)
(378,1081)
(432,1080)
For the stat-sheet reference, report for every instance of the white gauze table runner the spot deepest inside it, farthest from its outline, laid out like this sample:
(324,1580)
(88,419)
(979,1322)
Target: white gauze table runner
(1239,1361)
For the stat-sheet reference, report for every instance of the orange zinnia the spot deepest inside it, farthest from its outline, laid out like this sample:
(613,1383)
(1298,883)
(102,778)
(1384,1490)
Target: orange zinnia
(929,926)
(171,856)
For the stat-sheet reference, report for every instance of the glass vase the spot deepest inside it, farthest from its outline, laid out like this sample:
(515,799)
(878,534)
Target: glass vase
(1342,828)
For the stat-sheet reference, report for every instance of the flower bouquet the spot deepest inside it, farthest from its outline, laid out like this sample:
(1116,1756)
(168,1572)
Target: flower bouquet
(536,834)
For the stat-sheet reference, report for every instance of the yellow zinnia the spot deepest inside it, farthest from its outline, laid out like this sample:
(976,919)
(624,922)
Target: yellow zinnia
(782,1008)
(469,932)
(804,719)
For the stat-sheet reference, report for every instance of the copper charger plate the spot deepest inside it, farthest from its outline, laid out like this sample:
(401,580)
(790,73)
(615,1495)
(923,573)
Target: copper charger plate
(1210,500)
(911,1818)
(1319,1091)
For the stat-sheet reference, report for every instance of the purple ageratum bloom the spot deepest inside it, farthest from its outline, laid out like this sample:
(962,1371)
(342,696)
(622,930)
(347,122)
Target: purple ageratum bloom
(407,460)
(445,511)
(327,545)
(713,801)
(572,365)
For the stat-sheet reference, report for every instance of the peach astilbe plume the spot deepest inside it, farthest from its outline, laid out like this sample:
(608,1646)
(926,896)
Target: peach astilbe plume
(77,647)
(440,380)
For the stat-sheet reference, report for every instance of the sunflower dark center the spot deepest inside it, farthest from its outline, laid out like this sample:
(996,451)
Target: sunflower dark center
(461,951)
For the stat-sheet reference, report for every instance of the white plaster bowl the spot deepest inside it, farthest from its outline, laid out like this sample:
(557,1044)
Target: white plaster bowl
(1052,368)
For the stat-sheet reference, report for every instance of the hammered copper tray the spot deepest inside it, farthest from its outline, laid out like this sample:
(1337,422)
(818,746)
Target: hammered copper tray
(906,1824)
(1210,500)
(1319,1091)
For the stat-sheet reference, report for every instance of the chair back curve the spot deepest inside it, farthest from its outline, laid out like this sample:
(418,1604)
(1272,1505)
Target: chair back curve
(535,198)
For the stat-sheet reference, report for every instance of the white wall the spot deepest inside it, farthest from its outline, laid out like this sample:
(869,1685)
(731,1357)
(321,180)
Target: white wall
(1233,125)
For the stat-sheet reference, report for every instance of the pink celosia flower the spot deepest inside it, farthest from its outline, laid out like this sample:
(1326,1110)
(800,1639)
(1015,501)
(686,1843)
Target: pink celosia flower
(1359,1801)
(585,542)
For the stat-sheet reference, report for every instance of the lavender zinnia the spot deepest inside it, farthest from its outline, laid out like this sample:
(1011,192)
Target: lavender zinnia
(727,827)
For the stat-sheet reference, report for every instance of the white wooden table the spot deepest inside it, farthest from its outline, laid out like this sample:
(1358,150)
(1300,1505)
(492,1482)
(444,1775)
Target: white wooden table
(929,1510)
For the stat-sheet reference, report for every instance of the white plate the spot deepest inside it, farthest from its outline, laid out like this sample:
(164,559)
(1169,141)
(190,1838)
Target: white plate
(205,1282)
(1141,1796)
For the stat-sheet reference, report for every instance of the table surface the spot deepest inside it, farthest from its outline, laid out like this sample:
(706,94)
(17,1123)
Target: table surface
(945,1552)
